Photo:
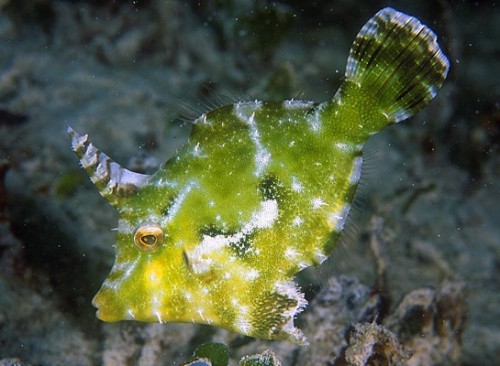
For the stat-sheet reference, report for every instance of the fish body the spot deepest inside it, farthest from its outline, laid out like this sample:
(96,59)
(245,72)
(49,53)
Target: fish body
(260,190)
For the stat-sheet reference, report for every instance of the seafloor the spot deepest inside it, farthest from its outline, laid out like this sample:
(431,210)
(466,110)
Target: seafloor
(416,277)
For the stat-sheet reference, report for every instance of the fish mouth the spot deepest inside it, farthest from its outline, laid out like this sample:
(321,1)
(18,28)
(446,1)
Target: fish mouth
(108,307)
(114,306)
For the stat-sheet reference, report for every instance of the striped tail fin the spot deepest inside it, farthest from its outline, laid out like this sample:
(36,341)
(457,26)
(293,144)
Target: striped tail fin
(396,59)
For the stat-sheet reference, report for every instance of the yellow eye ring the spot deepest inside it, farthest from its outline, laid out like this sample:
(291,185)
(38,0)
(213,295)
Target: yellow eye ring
(149,237)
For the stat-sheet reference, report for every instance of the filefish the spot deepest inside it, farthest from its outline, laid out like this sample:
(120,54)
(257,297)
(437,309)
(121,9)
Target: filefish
(261,190)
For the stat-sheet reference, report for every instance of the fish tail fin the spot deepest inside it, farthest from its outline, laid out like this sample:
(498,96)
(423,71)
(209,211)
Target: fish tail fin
(397,60)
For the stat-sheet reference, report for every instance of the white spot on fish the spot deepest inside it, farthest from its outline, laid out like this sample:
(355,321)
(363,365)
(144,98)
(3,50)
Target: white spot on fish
(120,266)
(356,170)
(348,147)
(265,216)
(315,119)
(114,285)
(262,156)
(296,185)
(124,227)
(243,324)
(178,201)
(337,219)
(252,274)
(342,146)
(130,269)
(297,221)
(200,312)
(295,104)
(162,182)
(198,151)
(320,257)
(317,203)
(202,120)
(303,264)
(158,316)
(401,114)
(291,254)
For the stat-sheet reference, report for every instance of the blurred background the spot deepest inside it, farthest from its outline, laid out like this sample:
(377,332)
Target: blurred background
(133,74)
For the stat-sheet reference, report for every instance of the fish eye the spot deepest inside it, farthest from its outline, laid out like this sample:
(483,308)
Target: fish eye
(148,237)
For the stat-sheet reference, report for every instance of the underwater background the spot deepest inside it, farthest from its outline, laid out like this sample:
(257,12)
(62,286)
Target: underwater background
(419,265)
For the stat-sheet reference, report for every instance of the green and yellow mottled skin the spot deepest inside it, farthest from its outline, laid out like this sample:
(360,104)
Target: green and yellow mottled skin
(260,191)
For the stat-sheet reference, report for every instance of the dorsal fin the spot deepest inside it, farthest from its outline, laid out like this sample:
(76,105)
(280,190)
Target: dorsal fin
(112,180)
